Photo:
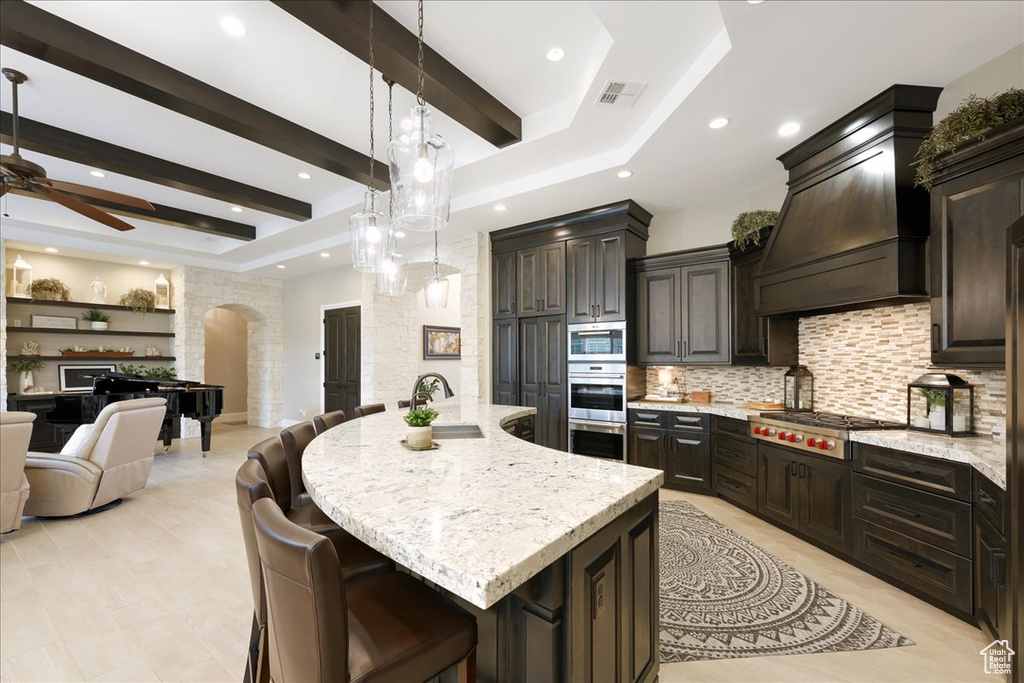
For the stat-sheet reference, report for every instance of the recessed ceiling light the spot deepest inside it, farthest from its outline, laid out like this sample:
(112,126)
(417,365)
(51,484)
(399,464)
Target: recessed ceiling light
(624,174)
(50,250)
(324,254)
(281,266)
(233,27)
(787,129)
(556,54)
(499,207)
(399,234)
(754,2)
(305,176)
(720,122)
(236,209)
(97,174)
(143,263)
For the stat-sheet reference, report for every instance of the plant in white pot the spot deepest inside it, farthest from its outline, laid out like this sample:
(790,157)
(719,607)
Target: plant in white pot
(25,368)
(97,319)
(420,434)
(936,408)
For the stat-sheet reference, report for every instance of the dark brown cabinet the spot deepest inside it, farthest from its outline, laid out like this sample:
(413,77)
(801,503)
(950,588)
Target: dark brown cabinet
(990,552)
(542,377)
(659,311)
(596,278)
(540,278)
(757,340)
(978,194)
(505,361)
(688,461)
(705,318)
(678,443)
(777,484)
(503,285)
(645,447)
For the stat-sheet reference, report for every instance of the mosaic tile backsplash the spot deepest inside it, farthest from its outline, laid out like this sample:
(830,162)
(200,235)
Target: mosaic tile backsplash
(862,362)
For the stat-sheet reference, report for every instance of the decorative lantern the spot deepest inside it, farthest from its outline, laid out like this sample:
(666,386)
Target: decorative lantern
(942,404)
(422,169)
(799,388)
(394,270)
(435,293)
(369,229)
(20,284)
(162,289)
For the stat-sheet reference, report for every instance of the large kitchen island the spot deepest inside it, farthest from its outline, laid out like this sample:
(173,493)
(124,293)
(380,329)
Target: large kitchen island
(555,554)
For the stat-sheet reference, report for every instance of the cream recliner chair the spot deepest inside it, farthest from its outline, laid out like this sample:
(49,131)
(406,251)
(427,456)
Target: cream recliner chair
(101,462)
(15,433)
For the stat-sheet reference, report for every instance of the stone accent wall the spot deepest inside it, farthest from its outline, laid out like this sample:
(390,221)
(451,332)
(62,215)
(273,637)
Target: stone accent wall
(260,301)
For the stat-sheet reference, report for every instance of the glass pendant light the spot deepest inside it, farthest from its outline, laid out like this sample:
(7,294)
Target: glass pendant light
(394,267)
(369,227)
(422,166)
(435,294)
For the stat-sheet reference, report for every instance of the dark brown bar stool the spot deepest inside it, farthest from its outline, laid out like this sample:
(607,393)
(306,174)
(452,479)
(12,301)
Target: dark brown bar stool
(324,422)
(270,454)
(400,629)
(369,409)
(357,560)
(295,439)
(404,403)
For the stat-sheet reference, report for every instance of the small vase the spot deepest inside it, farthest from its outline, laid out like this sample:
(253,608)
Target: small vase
(419,437)
(25,382)
(937,418)
(96,325)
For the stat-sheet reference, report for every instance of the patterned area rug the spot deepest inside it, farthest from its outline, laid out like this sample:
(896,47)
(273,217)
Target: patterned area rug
(722,597)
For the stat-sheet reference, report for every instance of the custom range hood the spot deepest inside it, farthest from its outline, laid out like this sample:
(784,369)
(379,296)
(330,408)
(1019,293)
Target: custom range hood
(852,231)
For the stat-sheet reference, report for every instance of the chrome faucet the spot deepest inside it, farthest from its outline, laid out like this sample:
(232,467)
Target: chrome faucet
(418,395)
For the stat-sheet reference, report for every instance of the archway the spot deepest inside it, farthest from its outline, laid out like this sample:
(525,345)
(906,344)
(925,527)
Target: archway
(227,361)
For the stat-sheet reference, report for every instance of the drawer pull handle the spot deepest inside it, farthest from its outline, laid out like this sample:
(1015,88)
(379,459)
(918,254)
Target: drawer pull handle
(902,508)
(997,557)
(908,557)
(904,468)
(985,498)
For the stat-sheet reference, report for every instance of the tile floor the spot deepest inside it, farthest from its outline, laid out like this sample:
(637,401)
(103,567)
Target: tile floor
(157,590)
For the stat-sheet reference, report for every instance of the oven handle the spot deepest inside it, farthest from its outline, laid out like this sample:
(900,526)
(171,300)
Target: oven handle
(582,377)
(602,427)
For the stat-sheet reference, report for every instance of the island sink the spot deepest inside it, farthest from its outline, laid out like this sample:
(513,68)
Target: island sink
(457,432)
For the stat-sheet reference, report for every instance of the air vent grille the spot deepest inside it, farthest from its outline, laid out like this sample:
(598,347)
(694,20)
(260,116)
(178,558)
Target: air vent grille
(620,93)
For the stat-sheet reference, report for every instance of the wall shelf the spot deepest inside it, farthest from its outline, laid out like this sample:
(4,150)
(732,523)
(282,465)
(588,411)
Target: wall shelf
(115,333)
(114,359)
(81,304)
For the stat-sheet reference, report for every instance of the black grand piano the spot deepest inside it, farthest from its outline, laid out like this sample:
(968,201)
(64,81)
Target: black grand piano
(59,415)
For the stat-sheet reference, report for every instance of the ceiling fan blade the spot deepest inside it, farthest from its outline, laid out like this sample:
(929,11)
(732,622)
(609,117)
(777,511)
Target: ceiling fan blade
(3,189)
(96,193)
(81,207)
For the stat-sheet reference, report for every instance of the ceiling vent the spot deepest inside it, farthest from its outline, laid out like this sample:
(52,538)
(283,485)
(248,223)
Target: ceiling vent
(620,93)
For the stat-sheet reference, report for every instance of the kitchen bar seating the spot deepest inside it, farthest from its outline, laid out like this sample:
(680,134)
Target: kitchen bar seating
(295,439)
(324,422)
(270,454)
(400,629)
(369,409)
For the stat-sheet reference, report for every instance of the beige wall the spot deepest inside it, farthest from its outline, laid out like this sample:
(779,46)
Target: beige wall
(1003,72)
(227,357)
(445,317)
(78,273)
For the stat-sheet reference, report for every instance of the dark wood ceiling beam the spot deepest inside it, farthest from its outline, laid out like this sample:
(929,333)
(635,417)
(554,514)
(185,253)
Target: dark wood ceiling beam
(64,144)
(347,24)
(45,36)
(167,215)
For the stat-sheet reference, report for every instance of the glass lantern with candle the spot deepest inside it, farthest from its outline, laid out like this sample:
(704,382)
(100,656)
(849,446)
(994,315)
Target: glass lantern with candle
(941,403)
(799,388)
(162,289)
(20,282)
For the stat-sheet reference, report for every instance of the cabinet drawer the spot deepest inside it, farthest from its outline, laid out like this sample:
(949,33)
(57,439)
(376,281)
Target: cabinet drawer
(739,429)
(690,422)
(944,477)
(938,573)
(926,517)
(734,486)
(647,418)
(990,501)
(738,455)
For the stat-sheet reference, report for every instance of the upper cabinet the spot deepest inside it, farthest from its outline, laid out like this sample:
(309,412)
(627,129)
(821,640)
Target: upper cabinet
(541,280)
(756,340)
(659,330)
(503,285)
(978,194)
(596,278)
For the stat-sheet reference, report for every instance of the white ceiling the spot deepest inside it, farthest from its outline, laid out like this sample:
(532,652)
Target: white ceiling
(758,65)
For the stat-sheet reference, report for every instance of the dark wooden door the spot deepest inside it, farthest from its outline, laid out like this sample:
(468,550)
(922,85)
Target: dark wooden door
(646,447)
(342,359)
(580,279)
(542,377)
(610,277)
(552,278)
(688,461)
(529,281)
(705,316)
(1014,605)
(824,501)
(970,215)
(503,285)
(777,484)
(658,309)
(990,555)
(749,331)
(505,368)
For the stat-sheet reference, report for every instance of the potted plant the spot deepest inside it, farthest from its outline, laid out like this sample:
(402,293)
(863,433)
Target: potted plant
(50,289)
(936,407)
(97,319)
(25,368)
(420,434)
(139,300)
(750,227)
(429,388)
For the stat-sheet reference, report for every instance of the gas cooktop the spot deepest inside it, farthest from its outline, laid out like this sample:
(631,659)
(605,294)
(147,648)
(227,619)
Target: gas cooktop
(831,420)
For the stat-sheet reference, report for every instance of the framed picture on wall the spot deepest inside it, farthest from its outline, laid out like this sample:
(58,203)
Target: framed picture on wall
(442,343)
(79,377)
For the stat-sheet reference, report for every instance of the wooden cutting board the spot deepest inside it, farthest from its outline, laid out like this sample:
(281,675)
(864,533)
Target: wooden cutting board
(763,405)
(661,400)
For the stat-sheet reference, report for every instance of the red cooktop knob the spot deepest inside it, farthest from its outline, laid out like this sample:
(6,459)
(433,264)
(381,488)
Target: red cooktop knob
(823,445)
(792,438)
(782,436)
(757,430)
(812,442)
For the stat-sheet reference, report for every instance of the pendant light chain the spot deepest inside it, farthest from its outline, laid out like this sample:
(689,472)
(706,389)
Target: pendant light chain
(391,136)
(369,185)
(419,57)
(437,272)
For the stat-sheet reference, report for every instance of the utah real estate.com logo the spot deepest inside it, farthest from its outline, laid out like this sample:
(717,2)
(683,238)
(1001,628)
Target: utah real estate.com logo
(997,657)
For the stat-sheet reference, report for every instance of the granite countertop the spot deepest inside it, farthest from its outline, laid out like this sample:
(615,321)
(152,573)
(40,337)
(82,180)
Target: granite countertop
(721,409)
(478,517)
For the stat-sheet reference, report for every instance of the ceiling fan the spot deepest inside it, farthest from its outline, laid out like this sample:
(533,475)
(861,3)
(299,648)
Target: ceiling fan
(23,177)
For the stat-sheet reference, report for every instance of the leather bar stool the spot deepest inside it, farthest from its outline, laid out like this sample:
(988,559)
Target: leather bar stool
(322,627)
(356,560)
(369,409)
(404,403)
(295,439)
(271,456)
(324,422)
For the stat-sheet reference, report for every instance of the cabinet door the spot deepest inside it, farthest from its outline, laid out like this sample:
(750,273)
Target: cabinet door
(503,285)
(777,484)
(705,316)
(555,394)
(552,278)
(659,336)
(610,281)
(688,461)
(970,215)
(532,361)
(505,369)
(646,446)
(528,281)
(749,331)
(825,499)
(990,550)
(580,280)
